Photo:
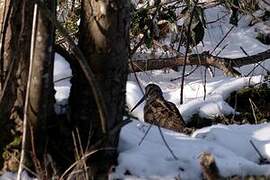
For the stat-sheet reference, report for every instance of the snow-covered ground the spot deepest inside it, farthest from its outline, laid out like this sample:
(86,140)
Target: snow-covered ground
(230,145)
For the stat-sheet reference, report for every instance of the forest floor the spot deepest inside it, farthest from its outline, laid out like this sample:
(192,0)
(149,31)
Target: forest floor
(230,114)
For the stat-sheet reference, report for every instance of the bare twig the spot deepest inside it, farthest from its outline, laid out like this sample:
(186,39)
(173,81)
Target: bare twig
(147,131)
(253,110)
(186,75)
(76,149)
(266,2)
(81,154)
(137,46)
(218,53)
(62,79)
(216,20)
(186,54)
(36,162)
(222,39)
(166,144)
(136,77)
(259,63)
(262,159)
(204,84)
(84,157)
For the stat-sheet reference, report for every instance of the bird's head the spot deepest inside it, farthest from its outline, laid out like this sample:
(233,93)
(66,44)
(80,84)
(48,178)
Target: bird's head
(151,91)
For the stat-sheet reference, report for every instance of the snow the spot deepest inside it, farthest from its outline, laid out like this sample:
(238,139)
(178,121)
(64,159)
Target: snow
(217,90)
(13,176)
(241,36)
(229,144)
(61,70)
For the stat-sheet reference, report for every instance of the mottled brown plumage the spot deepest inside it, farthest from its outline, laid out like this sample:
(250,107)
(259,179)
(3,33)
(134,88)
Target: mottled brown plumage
(160,112)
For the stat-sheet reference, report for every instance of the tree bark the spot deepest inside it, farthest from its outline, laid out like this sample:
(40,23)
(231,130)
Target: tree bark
(225,64)
(104,41)
(15,62)
(40,110)
(15,55)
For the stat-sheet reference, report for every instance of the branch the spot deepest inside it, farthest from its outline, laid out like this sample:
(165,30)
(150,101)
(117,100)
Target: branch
(225,64)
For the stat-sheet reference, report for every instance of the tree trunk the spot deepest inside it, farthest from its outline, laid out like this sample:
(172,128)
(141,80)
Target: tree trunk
(40,109)
(15,62)
(15,55)
(104,41)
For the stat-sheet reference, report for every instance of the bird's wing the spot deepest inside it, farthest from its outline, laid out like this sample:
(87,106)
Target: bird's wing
(175,110)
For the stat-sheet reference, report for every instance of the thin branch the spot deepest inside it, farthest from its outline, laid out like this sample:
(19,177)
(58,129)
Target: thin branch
(222,39)
(81,154)
(62,79)
(253,110)
(204,84)
(186,75)
(259,63)
(147,131)
(266,2)
(166,144)
(186,54)
(136,77)
(216,20)
(218,53)
(132,51)
(83,158)
(257,151)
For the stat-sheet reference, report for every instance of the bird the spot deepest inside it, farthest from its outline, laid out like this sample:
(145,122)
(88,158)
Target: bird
(159,112)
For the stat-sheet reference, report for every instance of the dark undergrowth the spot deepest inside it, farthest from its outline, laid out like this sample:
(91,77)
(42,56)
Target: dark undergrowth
(251,103)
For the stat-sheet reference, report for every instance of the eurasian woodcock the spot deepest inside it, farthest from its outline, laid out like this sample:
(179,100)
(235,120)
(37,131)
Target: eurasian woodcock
(160,112)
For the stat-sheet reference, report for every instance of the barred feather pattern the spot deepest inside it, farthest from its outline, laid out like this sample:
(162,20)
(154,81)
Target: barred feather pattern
(160,112)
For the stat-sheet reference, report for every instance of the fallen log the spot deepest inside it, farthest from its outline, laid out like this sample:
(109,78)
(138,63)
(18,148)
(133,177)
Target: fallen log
(227,65)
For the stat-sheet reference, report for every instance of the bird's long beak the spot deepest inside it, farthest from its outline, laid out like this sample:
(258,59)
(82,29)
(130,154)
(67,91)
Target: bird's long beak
(138,103)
